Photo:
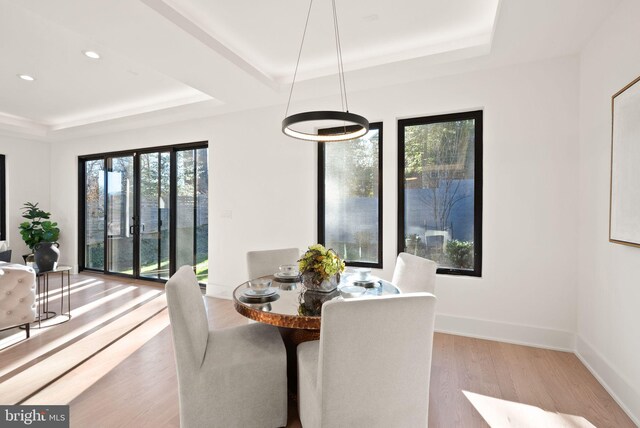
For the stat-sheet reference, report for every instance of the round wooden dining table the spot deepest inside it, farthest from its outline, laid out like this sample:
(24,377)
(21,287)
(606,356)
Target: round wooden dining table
(285,307)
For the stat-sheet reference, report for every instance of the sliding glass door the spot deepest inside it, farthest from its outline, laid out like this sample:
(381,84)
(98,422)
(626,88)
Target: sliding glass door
(192,211)
(93,190)
(120,214)
(144,213)
(155,212)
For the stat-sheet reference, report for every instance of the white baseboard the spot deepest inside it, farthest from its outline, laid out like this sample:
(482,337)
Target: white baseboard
(505,332)
(615,384)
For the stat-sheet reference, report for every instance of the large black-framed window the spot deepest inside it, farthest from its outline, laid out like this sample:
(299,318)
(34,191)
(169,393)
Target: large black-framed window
(440,190)
(350,197)
(3,200)
(144,212)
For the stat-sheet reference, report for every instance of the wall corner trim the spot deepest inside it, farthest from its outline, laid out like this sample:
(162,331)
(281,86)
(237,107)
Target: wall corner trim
(615,383)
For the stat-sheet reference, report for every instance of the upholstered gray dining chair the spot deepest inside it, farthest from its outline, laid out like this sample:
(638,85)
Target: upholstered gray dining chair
(413,274)
(261,263)
(372,365)
(234,377)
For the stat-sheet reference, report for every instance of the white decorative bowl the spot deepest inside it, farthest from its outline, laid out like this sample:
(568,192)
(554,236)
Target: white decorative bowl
(260,285)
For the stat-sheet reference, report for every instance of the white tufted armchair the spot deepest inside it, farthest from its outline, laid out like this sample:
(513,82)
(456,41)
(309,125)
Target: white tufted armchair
(17,296)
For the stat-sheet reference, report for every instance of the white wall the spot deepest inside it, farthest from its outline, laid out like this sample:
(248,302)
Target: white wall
(27,174)
(249,174)
(527,292)
(609,288)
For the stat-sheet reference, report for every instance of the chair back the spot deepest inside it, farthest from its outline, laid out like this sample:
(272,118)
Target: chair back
(188,318)
(414,274)
(382,345)
(17,295)
(261,263)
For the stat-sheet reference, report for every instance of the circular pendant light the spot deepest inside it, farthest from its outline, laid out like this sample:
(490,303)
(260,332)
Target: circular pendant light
(353,125)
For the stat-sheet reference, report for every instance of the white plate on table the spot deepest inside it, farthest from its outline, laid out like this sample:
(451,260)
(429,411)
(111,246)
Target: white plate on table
(286,275)
(256,294)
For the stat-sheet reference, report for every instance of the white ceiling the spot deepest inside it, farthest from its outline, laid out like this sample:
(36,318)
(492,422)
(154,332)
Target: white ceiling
(176,59)
(266,33)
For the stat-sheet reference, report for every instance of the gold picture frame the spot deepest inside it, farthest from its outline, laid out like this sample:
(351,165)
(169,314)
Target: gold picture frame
(624,190)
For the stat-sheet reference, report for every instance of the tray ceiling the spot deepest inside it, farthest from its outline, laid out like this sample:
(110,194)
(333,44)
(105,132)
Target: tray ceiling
(166,60)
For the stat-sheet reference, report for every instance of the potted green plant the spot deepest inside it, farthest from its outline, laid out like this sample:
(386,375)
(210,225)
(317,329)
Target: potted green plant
(41,236)
(320,268)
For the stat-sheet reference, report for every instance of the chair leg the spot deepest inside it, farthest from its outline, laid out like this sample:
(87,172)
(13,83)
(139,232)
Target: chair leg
(28,329)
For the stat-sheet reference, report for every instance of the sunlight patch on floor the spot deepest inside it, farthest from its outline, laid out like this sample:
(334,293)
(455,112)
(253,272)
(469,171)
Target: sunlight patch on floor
(12,339)
(54,286)
(17,388)
(500,413)
(55,294)
(85,327)
(78,380)
(108,290)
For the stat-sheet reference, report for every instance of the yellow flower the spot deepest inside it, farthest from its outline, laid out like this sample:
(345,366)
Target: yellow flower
(324,262)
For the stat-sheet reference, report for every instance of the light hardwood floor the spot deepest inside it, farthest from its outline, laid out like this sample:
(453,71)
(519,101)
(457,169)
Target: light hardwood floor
(113,363)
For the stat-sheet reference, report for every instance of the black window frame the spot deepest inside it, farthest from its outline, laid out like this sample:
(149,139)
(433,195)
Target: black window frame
(477,116)
(173,150)
(321,191)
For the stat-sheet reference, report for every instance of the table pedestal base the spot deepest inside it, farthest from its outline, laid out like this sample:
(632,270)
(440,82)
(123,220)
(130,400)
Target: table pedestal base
(292,337)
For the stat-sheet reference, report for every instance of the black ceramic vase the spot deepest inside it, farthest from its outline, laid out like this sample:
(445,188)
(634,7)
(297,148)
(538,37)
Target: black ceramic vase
(46,256)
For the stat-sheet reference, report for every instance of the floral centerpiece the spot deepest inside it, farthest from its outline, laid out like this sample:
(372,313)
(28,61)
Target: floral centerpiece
(320,268)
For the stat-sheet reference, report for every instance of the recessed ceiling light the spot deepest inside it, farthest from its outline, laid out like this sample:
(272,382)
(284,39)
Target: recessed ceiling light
(26,77)
(91,54)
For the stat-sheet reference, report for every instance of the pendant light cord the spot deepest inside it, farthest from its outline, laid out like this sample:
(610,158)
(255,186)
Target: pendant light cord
(304,33)
(343,85)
